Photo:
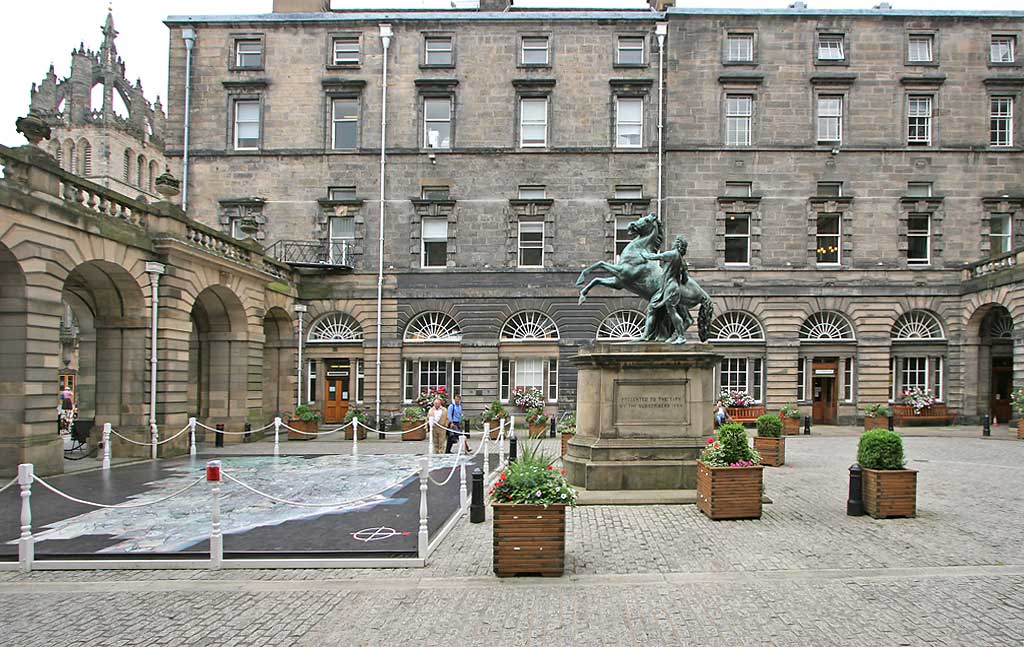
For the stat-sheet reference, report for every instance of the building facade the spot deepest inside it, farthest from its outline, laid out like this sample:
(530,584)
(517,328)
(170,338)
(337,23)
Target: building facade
(849,181)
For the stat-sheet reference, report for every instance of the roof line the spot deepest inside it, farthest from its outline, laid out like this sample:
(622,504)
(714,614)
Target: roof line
(845,12)
(353,16)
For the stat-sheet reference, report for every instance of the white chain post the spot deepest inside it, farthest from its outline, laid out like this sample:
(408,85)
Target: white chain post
(106,445)
(191,436)
(153,436)
(277,435)
(487,430)
(463,494)
(512,427)
(487,462)
(216,538)
(26,544)
(355,436)
(501,447)
(422,538)
(430,437)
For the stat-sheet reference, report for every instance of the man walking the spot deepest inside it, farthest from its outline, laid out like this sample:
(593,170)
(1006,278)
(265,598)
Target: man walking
(455,422)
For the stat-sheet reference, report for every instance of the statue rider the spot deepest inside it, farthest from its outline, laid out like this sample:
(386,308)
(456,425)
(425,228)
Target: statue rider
(666,299)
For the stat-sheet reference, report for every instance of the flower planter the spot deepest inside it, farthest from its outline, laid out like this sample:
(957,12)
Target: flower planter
(419,434)
(875,422)
(348,432)
(529,539)
(1020,429)
(890,493)
(309,427)
(790,426)
(537,431)
(565,443)
(772,450)
(495,427)
(729,492)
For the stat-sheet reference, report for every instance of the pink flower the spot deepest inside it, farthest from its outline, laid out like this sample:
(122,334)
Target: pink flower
(711,440)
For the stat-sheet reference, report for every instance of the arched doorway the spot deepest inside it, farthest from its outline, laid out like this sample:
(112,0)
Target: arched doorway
(337,372)
(278,363)
(218,360)
(991,330)
(13,309)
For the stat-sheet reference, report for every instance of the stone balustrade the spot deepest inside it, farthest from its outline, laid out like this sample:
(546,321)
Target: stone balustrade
(992,265)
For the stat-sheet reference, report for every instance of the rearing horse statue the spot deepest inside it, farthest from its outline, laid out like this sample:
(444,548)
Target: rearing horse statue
(643,278)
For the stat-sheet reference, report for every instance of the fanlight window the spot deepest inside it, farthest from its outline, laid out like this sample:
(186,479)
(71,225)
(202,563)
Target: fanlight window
(999,324)
(736,326)
(917,324)
(335,328)
(433,326)
(826,326)
(529,326)
(622,325)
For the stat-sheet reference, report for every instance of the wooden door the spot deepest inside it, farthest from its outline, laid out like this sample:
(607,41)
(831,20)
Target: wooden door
(336,390)
(823,391)
(1002,385)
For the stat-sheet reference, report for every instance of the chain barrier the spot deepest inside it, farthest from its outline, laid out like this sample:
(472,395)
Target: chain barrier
(9,484)
(300,504)
(452,472)
(118,505)
(150,443)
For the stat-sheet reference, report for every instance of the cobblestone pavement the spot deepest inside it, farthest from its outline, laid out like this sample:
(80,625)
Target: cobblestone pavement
(804,574)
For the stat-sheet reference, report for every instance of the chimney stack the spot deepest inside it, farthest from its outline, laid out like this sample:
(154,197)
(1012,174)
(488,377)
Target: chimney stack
(301,6)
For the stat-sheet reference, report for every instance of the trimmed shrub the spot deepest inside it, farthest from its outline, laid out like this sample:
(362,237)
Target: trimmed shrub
(730,449)
(880,449)
(769,426)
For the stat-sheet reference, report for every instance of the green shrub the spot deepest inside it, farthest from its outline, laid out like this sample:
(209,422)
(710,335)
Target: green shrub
(567,425)
(304,413)
(730,449)
(880,449)
(413,414)
(769,426)
(532,478)
(877,411)
(355,413)
(790,411)
(495,411)
(1017,401)
(536,417)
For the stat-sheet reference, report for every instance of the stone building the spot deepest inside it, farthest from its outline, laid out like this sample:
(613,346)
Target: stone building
(851,184)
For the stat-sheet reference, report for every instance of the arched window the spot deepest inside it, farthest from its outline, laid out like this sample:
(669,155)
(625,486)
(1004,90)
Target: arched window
(129,156)
(58,154)
(335,328)
(998,324)
(529,325)
(826,326)
(622,325)
(69,156)
(140,170)
(86,152)
(916,325)
(736,326)
(154,171)
(433,326)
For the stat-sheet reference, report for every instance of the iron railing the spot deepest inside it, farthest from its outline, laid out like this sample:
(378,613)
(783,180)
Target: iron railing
(308,253)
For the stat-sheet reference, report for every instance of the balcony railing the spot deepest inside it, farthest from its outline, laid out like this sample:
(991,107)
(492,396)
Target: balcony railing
(305,253)
(994,264)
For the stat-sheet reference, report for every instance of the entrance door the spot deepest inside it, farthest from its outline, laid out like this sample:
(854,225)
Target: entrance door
(1002,384)
(336,390)
(823,390)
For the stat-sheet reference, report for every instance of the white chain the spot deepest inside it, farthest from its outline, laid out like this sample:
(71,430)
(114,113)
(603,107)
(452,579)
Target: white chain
(335,504)
(119,505)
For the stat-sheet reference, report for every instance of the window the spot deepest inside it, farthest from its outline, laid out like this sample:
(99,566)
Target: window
(630,50)
(919,189)
(342,193)
(1003,49)
(345,50)
(629,123)
(533,123)
(919,48)
(892,379)
(408,382)
(830,189)
(919,120)
(830,47)
(622,234)
(420,375)
(311,382)
(1000,129)
(914,373)
(237,232)
(737,239)
(438,51)
(435,193)
(801,372)
(456,378)
(739,111)
(530,373)
(739,189)
(629,192)
(739,48)
(743,374)
(936,363)
(249,53)
(345,124)
(1000,233)
(247,125)
(437,122)
(433,373)
(360,380)
(532,192)
(535,50)
(848,379)
(552,380)
(531,243)
(505,388)
(830,119)
(919,238)
(435,242)
(828,239)
(341,232)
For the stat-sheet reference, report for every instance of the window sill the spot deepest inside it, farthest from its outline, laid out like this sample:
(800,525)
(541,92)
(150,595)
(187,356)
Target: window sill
(630,65)
(740,63)
(534,66)
(921,63)
(437,66)
(842,63)
(253,68)
(343,66)
(994,64)
(736,266)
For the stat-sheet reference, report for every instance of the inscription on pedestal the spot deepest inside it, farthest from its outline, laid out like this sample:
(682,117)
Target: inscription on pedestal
(642,402)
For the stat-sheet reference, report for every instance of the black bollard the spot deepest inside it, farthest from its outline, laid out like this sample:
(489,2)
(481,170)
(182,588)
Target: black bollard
(855,504)
(512,451)
(476,503)
(892,424)
(248,433)
(381,428)
(986,426)
(218,440)
(552,421)
(807,425)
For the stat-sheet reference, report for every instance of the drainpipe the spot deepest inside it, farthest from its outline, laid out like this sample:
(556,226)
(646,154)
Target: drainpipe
(385,39)
(189,35)
(154,270)
(661,30)
(301,310)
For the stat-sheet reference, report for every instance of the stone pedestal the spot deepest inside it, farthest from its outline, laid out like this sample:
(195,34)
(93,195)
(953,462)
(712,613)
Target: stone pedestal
(643,413)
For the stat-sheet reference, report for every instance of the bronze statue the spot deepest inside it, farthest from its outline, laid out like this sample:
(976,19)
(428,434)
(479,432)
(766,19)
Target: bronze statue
(670,291)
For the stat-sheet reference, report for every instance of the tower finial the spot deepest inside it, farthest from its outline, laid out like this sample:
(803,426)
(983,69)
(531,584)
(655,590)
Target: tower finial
(108,51)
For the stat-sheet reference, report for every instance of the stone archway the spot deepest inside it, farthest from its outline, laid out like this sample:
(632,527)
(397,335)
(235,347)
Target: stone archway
(14,434)
(279,348)
(218,359)
(989,348)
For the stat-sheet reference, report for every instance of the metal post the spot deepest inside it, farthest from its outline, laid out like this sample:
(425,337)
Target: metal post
(382,426)
(892,423)
(106,445)
(248,432)
(153,437)
(463,495)
(216,538)
(26,544)
(512,450)
(355,436)
(551,433)
(192,437)
(218,440)
(807,425)
(476,506)
(277,435)
(855,504)
(422,535)
(986,426)
(154,270)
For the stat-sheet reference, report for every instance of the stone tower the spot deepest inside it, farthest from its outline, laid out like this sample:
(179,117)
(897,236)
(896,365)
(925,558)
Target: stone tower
(104,129)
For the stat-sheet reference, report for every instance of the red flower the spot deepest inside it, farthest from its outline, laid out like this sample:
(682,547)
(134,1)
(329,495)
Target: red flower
(550,468)
(563,472)
(711,440)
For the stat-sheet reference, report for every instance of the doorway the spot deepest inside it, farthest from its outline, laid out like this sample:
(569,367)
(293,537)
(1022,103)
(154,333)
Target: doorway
(337,389)
(823,390)
(1002,385)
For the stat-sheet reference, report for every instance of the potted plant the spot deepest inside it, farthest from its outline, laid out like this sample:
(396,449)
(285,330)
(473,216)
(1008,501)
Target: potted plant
(567,429)
(537,422)
(917,398)
(413,418)
(741,406)
(769,441)
(729,476)
(528,397)
(876,416)
(426,398)
(791,417)
(889,489)
(529,501)
(493,416)
(355,413)
(1017,402)
(304,419)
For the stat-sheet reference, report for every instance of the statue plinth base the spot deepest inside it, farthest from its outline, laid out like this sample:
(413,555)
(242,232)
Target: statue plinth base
(643,413)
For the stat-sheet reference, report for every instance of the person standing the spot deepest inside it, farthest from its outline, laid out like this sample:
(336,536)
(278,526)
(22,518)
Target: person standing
(721,415)
(455,423)
(437,419)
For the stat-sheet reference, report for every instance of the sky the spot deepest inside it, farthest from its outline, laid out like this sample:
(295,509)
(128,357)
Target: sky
(37,34)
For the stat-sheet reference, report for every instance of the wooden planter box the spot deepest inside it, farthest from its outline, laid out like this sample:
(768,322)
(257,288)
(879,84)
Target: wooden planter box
(565,443)
(729,492)
(495,428)
(348,432)
(419,434)
(903,415)
(890,493)
(745,415)
(875,422)
(529,539)
(790,426)
(308,427)
(1020,429)
(538,431)
(772,450)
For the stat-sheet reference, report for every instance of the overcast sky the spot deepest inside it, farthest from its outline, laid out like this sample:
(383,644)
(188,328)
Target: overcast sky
(39,33)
